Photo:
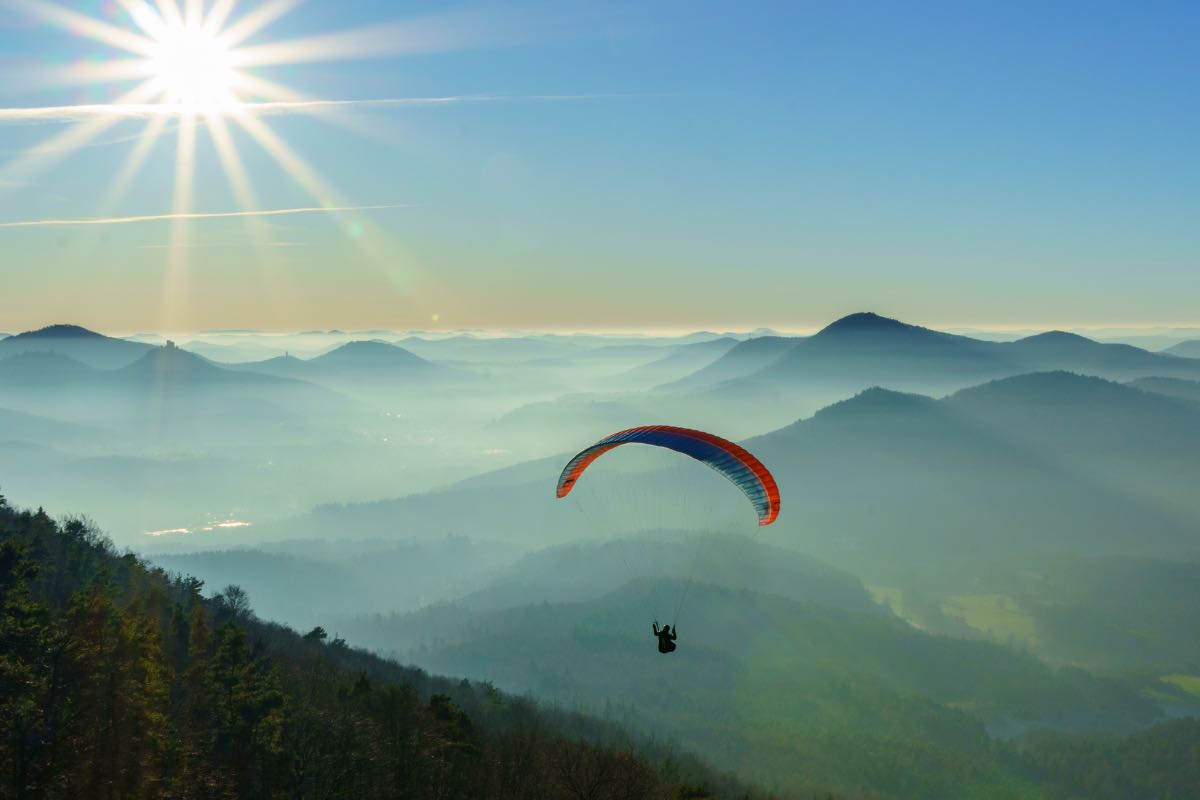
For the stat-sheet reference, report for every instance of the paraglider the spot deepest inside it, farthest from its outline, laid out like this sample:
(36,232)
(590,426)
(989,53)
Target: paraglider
(734,462)
(666,638)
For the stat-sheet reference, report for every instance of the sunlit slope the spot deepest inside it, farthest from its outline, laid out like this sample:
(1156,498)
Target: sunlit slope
(761,684)
(1120,615)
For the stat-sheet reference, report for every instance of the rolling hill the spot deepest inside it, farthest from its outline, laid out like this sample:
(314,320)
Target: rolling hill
(764,683)
(886,479)
(1188,349)
(79,343)
(1171,387)
(358,362)
(167,392)
(683,360)
(743,359)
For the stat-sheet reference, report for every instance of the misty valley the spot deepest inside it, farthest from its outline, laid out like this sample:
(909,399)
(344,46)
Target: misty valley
(983,580)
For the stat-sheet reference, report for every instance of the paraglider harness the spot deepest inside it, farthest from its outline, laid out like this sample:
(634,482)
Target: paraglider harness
(666,638)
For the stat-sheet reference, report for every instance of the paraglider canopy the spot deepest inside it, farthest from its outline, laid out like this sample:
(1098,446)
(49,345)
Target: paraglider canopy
(734,462)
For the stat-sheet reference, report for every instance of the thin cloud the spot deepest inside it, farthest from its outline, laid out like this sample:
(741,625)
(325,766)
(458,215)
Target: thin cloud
(207,245)
(147,110)
(272,212)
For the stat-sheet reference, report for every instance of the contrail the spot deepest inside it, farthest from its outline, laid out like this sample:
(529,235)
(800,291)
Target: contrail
(271,212)
(146,110)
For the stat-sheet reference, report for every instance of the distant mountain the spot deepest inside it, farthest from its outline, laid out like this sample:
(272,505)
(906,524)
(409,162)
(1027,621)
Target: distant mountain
(285,366)
(372,355)
(78,343)
(568,419)
(167,390)
(680,362)
(740,361)
(1187,349)
(1171,387)
(865,349)
(172,365)
(489,350)
(877,350)
(1057,350)
(1053,459)
(896,485)
(229,353)
(356,362)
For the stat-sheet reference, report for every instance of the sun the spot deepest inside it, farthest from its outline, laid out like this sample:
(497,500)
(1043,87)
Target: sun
(191,71)
(194,68)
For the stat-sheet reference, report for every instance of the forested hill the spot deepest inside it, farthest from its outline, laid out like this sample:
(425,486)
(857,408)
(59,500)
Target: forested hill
(119,680)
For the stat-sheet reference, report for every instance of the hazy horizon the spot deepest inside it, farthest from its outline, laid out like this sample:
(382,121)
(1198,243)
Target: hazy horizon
(1112,330)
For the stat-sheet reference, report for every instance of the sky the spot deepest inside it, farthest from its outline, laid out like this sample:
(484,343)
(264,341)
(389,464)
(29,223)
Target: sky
(621,165)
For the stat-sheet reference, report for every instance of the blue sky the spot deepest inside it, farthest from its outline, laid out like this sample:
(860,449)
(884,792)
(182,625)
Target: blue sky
(648,165)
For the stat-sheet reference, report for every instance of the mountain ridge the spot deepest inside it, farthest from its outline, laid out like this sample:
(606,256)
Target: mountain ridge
(92,348)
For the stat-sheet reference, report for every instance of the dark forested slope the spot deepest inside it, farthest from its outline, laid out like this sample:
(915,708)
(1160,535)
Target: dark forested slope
(118,680)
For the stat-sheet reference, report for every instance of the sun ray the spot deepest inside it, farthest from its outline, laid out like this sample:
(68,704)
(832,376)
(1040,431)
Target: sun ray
(83,25)
(297,168)
(231,161)
(258,232)
(83,73)
(333,114)
(177,239)
(169,11)
(365,43)
(145,17)
(133,164)
(255,21)
(257,86)
(434,33)
(218,15)
(185,157)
